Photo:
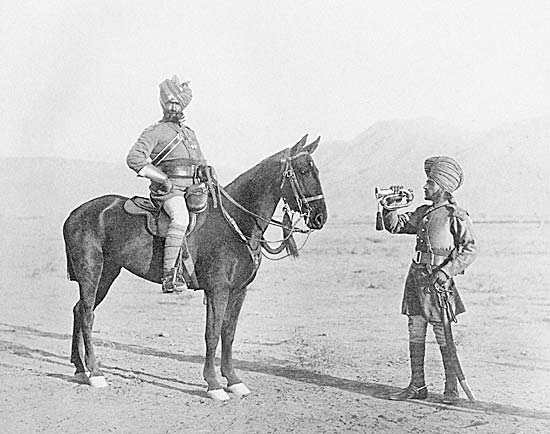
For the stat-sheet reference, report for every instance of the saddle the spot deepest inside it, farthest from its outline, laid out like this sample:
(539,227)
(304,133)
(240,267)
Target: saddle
(156,219)
(157,223)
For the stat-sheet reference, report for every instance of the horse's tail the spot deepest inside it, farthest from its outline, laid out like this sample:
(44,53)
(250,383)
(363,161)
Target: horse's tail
(70,269)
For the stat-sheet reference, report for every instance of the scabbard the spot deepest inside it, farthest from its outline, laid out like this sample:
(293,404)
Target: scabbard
(451,347)
(209,183)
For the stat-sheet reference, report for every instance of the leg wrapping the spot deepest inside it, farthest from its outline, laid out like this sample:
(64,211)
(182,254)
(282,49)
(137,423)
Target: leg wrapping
(417,352)
(451,383)
(172,245)
(417,348)
(439,333)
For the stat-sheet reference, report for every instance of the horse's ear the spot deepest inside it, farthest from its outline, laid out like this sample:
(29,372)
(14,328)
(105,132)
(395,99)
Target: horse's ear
(310,149)
(298,146)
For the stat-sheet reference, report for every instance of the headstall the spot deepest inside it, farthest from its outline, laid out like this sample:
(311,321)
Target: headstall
(288,225)
(289,174)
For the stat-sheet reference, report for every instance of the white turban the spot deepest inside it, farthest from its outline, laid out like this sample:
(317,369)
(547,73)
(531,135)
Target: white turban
(171,90)
(445,172)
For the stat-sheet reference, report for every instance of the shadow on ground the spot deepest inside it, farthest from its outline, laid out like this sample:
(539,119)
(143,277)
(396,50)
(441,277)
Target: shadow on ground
(375,390)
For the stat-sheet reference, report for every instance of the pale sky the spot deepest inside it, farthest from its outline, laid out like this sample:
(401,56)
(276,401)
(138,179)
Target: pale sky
(80,78)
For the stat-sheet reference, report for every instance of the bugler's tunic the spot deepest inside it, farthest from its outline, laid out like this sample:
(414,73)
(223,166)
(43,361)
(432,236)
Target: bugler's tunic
(184,159)
(444,236)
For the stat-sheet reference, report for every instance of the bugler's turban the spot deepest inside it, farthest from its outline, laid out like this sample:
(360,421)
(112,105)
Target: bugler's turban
(172,91)
(445,172)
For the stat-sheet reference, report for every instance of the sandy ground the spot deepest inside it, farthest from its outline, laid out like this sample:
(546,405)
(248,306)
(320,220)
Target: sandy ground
(320,342)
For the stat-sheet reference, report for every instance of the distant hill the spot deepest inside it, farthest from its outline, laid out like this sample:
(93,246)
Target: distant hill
(505,168)
(506,172)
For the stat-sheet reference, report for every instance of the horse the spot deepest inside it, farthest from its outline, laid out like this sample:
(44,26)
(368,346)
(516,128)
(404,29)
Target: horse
(101,238)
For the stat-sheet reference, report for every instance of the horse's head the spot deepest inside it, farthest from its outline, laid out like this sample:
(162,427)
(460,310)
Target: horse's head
(301,188)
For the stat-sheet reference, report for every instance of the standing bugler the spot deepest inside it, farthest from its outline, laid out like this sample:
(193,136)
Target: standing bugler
(445,246)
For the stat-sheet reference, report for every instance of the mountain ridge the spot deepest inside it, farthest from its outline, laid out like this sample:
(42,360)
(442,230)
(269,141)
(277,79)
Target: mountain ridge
(505,171)
(502,166)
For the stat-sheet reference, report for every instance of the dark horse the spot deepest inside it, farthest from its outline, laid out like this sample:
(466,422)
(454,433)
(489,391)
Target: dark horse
(101,239)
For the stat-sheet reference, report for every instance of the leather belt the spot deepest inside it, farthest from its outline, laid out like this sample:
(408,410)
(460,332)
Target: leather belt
(189,171)
(428,258)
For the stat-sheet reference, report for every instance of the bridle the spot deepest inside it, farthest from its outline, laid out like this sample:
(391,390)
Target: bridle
(289,174)
(288,225)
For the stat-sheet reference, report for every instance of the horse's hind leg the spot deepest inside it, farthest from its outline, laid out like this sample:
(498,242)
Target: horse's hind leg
(108,275)
(215,312)
(82,347)
(77,347)
(229,326)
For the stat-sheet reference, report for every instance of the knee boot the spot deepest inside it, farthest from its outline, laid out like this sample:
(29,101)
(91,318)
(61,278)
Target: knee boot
(417,388)
(171,280)
(450,395)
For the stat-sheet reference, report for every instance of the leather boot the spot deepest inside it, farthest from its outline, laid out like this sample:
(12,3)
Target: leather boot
(450,395)
(417,388)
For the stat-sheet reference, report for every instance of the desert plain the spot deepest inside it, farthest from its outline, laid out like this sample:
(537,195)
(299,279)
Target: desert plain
(320,343)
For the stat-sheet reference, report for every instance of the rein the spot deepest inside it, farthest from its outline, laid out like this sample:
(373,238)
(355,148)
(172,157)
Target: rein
(287,225)
(271,222)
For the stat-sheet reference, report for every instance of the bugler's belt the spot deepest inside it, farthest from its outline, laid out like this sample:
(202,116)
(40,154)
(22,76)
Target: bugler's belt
(428,258)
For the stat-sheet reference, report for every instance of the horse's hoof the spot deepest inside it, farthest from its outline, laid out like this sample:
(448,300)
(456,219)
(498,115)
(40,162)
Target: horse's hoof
(217,395)
(239,389)
(81,377)
(97,381)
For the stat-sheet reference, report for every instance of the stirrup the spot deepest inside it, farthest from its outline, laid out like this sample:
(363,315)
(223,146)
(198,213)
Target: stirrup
(410,392)
(168,288)
(171,282)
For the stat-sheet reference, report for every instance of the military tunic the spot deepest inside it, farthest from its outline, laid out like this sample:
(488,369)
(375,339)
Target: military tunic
(444,241)
(186,155)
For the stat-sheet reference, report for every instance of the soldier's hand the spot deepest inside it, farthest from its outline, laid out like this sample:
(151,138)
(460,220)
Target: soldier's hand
(203,172)
(166,187)
(440,278)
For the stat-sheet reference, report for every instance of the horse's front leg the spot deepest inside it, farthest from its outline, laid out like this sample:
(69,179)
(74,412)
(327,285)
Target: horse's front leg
(229,326)
(216,303)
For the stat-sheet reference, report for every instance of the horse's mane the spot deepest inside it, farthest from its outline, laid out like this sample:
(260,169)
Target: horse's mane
(256,187)
(252,173)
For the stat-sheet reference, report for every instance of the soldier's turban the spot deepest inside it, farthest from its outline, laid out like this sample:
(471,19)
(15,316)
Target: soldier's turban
(172,91)
(445,172)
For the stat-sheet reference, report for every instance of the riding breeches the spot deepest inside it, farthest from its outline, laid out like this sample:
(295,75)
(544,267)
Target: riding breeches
(176,208)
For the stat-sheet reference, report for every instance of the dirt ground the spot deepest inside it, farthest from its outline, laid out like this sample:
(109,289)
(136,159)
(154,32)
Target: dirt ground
(320,342)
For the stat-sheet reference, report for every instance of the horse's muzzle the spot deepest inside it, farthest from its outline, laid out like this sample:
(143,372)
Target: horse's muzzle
(316,220)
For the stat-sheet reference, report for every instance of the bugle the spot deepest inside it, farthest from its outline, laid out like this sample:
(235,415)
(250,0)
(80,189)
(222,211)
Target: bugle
(390,199)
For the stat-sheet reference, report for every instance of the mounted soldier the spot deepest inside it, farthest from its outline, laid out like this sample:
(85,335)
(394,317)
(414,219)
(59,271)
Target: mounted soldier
(168,154)
(445,246)
(102,238)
